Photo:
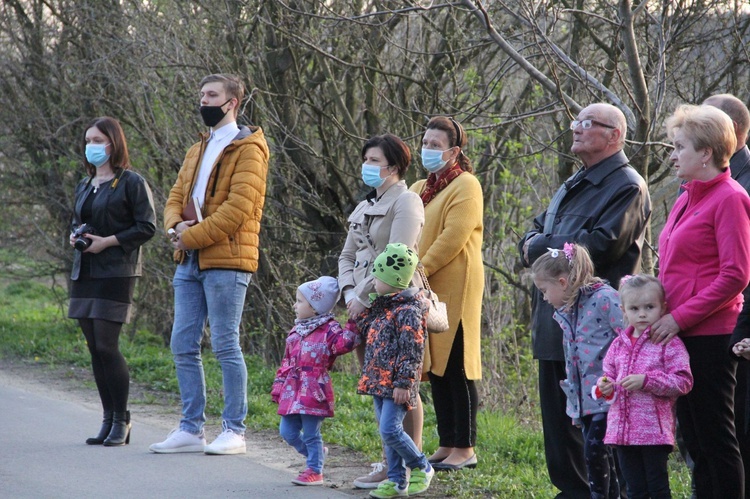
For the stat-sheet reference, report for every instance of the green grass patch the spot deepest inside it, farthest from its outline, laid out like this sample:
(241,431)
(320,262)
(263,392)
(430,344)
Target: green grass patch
(511,455)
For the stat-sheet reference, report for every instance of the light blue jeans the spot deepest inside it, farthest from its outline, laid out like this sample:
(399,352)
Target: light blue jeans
(302,432)
(400,450)
(219,296)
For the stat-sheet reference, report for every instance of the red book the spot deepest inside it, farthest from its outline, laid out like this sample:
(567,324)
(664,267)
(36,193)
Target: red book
(192,211)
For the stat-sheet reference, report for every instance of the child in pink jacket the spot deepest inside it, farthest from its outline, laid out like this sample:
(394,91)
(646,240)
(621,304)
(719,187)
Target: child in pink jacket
(302,387)
(642,380)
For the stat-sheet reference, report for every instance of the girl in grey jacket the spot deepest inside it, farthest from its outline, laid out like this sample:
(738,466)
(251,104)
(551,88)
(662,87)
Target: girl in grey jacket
(588,311)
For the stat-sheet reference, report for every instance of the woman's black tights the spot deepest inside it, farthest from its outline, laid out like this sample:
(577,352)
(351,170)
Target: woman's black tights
(110,368)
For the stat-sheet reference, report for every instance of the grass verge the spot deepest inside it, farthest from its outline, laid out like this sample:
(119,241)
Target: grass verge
(511,456)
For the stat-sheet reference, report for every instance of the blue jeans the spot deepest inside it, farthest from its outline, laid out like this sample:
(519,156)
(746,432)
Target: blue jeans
(400,450)
(302,432)
(219,296)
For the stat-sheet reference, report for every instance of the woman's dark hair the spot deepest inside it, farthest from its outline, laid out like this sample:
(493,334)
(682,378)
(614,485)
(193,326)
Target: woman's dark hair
(456,137)
(110,127)
(396,152)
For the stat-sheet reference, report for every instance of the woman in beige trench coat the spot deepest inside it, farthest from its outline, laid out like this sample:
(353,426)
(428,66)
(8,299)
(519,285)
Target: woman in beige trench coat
(389,214)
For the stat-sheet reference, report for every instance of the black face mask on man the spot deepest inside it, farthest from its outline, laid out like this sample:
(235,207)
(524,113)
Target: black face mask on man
(212,115)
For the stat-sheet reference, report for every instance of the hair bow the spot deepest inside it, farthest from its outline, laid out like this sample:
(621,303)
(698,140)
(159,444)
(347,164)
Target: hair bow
(570,251)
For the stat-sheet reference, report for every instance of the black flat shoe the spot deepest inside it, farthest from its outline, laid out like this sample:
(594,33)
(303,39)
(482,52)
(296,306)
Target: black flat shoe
(436,460)
(469,463)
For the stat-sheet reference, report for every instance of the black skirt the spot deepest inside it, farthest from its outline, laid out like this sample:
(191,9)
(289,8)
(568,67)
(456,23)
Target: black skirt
(107,299)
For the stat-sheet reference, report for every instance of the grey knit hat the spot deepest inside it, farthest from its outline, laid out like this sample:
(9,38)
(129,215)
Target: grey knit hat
(322,293)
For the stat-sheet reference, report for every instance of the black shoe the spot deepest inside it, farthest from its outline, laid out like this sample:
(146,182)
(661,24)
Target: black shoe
(469,463)
(120,433)
(104,431)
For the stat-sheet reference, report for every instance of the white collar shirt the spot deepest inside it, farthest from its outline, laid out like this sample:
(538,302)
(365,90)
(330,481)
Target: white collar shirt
(217,141)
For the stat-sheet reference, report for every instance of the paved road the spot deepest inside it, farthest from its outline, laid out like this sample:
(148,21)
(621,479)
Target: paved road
(42,455)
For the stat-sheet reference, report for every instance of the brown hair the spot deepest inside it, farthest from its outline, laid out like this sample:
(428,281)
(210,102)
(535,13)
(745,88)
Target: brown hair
(573,263)
(233,87)
(456,137)
(396,152)
(119,159)
(706,127)
(632,283)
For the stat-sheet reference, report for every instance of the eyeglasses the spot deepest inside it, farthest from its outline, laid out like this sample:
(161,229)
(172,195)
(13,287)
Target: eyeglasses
(586,124)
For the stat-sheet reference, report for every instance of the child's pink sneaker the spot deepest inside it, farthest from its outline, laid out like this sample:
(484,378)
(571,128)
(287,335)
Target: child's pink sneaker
(309,477)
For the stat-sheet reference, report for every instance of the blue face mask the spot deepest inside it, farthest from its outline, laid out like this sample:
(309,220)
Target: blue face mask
(371,176)
(96,154)
(432,160)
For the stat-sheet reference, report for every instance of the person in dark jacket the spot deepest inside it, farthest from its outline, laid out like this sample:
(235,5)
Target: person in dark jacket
(739,165)
(113,216)
(604,206)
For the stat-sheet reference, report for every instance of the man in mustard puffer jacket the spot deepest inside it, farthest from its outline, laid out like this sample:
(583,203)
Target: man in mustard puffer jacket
(224,175)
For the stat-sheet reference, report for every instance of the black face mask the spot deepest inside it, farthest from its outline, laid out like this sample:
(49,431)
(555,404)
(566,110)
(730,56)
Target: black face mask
(212,115)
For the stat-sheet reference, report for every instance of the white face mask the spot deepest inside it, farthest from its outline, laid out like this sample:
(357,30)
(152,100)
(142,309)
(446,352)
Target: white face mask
(432,160)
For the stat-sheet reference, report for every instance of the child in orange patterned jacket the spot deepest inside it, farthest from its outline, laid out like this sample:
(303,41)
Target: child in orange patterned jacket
(395,329)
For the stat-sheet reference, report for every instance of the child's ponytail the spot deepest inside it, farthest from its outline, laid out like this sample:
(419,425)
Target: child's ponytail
(572,262)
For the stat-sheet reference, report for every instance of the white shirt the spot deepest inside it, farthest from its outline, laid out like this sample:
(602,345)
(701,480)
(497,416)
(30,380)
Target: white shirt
(219,139)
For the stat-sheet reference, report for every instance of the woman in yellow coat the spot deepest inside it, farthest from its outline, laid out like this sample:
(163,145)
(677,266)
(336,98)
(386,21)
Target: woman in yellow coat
(451,251)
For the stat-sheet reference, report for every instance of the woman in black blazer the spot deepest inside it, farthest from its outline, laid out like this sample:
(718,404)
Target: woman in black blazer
(114,215)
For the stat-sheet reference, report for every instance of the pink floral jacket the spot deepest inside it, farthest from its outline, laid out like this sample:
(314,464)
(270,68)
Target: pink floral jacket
(302,384)
(645,416)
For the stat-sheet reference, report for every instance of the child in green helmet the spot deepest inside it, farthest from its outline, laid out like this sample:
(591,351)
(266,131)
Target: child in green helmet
(395,332)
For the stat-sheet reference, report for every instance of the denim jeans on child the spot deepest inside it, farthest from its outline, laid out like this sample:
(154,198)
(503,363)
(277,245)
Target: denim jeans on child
(600,460)
(302,432)
(219,296)
(400,450)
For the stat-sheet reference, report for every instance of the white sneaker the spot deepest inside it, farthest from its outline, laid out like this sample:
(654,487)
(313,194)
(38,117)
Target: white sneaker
(378,474)
(179,441)
(228,442)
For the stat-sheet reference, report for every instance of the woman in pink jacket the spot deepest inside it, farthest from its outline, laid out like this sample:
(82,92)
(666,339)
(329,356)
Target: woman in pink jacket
(642,380)
(704,262)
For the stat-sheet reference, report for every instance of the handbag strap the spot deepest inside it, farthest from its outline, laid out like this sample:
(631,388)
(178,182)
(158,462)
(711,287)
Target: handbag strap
(420,269)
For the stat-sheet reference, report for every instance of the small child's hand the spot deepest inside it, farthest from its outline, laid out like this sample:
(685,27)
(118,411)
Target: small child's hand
(400,395)
(605,386)
(633,382)
(742,348)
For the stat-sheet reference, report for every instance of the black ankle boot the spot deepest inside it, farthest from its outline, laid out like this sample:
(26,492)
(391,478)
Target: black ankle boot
(104,431)
(120,433)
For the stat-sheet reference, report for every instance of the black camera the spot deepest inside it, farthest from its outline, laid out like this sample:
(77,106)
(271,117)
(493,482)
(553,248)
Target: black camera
(81,242)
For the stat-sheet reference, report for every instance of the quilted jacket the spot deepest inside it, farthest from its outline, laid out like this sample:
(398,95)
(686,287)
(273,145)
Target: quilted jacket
(302,384)
(395,331)
(228,236)
(645,416)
